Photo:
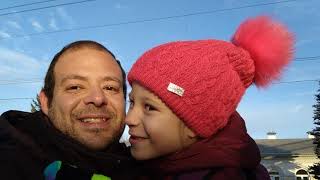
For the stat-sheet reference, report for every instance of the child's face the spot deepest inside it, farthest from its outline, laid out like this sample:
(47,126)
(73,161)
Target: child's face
(155,130)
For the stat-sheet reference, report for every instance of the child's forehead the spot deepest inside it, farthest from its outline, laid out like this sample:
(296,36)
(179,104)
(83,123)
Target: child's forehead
(138,91)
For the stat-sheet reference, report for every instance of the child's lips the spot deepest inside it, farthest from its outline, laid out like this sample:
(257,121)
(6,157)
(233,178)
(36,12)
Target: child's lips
(136,139)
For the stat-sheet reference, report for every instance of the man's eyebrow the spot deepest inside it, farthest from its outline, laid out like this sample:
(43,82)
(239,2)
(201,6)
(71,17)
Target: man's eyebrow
(82,78)
(111,78)
(73,76)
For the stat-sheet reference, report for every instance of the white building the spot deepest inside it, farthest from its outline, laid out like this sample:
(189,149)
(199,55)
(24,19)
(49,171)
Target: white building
(287,159)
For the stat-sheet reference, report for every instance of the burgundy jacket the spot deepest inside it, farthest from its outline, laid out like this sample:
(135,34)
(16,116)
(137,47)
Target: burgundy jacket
(229,154)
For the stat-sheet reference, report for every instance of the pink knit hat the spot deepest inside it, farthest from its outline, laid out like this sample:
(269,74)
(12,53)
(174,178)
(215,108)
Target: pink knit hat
(203,81)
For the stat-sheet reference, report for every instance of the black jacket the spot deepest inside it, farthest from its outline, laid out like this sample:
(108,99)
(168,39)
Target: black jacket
(31,148)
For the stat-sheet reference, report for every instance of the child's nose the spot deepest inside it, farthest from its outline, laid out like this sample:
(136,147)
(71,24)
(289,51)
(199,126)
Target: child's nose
(132,118)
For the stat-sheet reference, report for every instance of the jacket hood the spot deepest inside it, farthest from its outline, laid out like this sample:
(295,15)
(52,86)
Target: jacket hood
(230,147)
(33,133)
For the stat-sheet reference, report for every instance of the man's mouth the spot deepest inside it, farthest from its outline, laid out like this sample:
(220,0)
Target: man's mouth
(93,120)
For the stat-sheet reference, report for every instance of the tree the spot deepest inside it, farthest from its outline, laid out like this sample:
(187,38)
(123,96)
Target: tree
(35,105)
(315,169)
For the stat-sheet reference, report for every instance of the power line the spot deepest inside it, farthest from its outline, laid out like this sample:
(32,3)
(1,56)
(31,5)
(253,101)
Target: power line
(46,7)
(40,80)
(19,80)
(147,20)
(283,82)
(307,60)
(23,82)
(297,81)
(310,58)
(28,4)
(10,99)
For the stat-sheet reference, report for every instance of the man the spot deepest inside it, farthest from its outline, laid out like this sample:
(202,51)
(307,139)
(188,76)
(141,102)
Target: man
(76,134)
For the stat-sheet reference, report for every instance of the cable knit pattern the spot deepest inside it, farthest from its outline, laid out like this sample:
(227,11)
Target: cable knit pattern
(213,73)
(203,69)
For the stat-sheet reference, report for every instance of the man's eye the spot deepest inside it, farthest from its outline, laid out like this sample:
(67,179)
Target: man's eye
(111,88)
(73,88)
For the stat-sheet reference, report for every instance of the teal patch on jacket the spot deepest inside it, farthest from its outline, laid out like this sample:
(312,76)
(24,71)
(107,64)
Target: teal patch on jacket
(51,170)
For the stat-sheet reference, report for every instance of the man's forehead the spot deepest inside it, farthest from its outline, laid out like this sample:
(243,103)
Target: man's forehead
(80,67)
(75,50)
(85,57)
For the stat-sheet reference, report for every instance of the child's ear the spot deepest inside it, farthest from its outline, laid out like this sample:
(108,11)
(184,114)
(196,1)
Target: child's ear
(189,132)
(189,136)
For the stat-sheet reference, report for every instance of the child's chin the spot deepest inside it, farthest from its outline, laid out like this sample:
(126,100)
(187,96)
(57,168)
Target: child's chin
(141,156)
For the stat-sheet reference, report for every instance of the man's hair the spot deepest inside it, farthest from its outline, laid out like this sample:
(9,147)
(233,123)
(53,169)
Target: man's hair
(49,81)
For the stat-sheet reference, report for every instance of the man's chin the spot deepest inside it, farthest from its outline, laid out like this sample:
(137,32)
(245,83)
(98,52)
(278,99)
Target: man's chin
(98,144)
(97,139)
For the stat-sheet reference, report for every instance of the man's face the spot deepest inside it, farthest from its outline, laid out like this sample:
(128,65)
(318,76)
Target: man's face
(88,101)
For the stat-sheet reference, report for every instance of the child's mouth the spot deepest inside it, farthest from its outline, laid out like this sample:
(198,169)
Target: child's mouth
(136,139)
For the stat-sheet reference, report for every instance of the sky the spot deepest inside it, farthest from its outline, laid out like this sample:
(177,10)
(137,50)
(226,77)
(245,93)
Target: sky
(31,35)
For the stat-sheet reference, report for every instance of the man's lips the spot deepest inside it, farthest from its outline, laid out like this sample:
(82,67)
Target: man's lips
(93,118)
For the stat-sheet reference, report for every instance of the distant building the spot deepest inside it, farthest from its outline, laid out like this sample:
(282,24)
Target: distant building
(287,159)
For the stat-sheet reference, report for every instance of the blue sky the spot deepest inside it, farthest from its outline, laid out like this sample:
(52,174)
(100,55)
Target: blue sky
(26,47)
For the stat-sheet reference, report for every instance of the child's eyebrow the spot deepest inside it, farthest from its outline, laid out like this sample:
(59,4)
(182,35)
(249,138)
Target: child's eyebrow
(156,101)
(146,98)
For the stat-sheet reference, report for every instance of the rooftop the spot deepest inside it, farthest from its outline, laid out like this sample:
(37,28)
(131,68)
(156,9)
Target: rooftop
(286,147)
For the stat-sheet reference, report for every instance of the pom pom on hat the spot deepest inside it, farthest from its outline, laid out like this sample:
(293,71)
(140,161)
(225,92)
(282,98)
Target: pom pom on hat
(212,75)
(270,45)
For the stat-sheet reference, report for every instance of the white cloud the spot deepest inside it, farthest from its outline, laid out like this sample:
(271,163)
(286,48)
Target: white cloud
(309,39)
(53,24)
(14,24)
(229,3)
(65,16)
(119,6)
(4,34)
(297,108)
(289,118)
(17,64)
(27,38)
(36,25)
(307,93)
(297,10)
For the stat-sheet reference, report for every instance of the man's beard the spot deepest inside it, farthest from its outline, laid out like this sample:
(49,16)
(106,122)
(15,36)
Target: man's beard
(57,119)
(53,118)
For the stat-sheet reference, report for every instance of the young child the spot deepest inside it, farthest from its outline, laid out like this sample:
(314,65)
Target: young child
(182,118)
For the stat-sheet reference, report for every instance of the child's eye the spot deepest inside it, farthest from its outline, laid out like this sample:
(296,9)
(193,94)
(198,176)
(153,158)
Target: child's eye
(149,107)
(131,103)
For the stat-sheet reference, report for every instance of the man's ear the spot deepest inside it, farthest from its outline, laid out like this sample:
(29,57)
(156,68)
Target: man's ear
(44,102)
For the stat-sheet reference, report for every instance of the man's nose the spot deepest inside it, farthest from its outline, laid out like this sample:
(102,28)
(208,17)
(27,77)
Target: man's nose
(96,96)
